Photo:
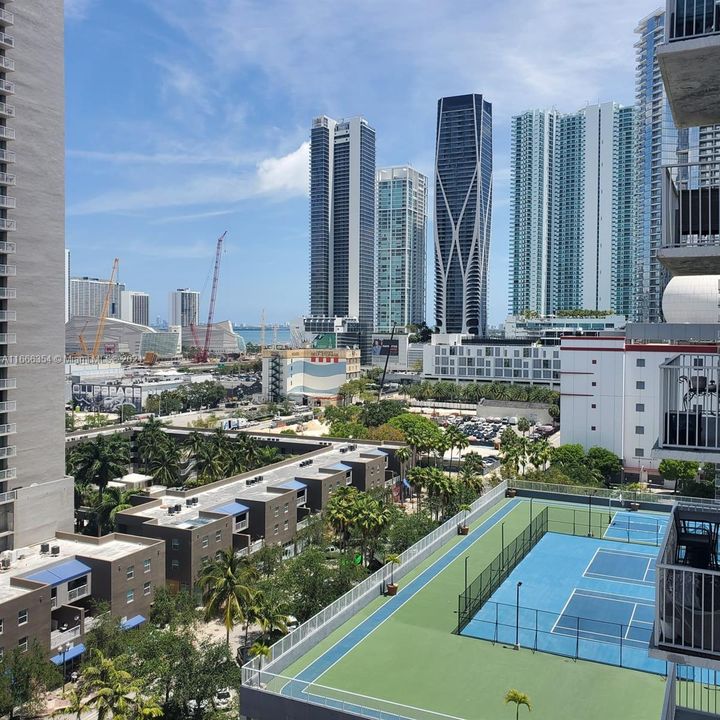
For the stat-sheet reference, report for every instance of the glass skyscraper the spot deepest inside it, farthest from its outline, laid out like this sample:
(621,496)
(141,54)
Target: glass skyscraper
(572,212)
(463,209)
(401,247)
(342,222)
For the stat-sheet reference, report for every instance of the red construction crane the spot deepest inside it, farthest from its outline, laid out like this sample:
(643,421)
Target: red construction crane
(203,354)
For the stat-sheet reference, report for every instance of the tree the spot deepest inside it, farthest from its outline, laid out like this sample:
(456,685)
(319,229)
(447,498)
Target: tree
(554,412)
(409,529)
(605,462)
(100,460)
(76,704)
(25,676)
(260,650)
(678,471)
(417,477)
(539,453)
(392,560)
(518,698)
(114,500)
(227,588)
(173,609)
(569,454)
(523,425)
(379,413)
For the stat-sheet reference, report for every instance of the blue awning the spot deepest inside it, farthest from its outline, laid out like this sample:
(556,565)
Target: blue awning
(133,622)
(73,652)
(232,508)
(340,466)
(293,485)
(65,571)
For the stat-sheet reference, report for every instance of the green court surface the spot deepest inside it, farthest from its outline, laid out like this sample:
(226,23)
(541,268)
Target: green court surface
(414,658)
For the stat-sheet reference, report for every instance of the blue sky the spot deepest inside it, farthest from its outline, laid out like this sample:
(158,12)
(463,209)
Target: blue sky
(189,117)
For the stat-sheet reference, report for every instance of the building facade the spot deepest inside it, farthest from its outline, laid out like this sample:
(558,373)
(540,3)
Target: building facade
(401,247)
(342,222)
(135,307)
(309,375)
(87,297)
(463,209)
(184,307)
(572,210)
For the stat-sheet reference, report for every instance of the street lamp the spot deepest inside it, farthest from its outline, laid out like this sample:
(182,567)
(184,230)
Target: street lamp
(64,649)
(517,615)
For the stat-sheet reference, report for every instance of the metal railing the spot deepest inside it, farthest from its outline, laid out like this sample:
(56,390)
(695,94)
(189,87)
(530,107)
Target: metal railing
(6,18)
(689,402)
(297,643)
(8,496)
(7,110)
(7,201)
(8,406)
(9,474)
(7,316)
(691,204)
(60,637)
(8,452)
(242,525)
(6,40)
(7,133)
(691,19)
(77,592)
(6,64)
(8,338)
(7,224)
(7,178)
(7,156)
(7,87)
(8,270)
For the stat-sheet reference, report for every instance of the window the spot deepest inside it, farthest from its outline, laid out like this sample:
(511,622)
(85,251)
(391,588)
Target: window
(129,596)
(593,384)
(205,540)
(23,644)
(593,406)
(594,362)
(593,427)
(276,530)
(174,564)
(146,566)
(130,574)
(2,653)
(639,407)
(286,525)
(640,362)
(640,385)
(204,560)
(287,508)
(2,625)
(175,544)
(218,535)
(639,452)
(22,617)
(639,429)
(277,510)
(147,588)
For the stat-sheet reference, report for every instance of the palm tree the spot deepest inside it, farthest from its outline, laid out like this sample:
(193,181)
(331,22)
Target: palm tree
(164,463)
(101,460)
(523,425)
(272,614)
(227,588)
(260,650)
(76,704)
(417,478)
(402,455)
(149,439)
(114,500)
(539,453)
(340,512)
(519,698)
(208,464)
(267,455)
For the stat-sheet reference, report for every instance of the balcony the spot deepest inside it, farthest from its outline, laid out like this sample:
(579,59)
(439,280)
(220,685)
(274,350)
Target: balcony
(8,270)
(7,41)
(6,110)
(6,64)
(8,496)
(7,133)
(241,525)
(78,592)
(7,202)
(6,18)
(8,383)
(687,604)
(7,248)
(7,225)
(8,452)
(7,87)
(8,338)
(691,219)
(8,406)
(690,61)
(7,316)
(7,179)
(7,156)
(8,293)
(60,637)
(8,429)
(9,474)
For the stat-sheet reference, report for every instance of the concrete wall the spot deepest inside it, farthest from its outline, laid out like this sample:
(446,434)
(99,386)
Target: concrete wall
(40,259)
(42,509)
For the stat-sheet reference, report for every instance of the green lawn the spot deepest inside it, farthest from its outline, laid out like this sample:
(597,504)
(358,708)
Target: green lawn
(414,658)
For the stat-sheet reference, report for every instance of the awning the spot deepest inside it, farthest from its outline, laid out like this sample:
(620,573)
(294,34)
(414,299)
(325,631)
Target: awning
(293,485)
(340,466)
(231,508)
(63,572)
(73,652)
(133,622)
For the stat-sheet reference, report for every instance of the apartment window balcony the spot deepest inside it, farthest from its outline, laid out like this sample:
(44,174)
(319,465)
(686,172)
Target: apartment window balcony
(7,110)
(7,41)
(8,338)
(7,248)
(8,406)
(7,202)
(8,270)
(7,179)
(8,294)
(6,64)
(7,87)
(7,133)
(60,637)
(9,496)
(693,19)
(8,429)
(7,225)
(8,452)
(242,524)
(78,592)
(6,18)
(7,316)
(9,474)
(7,156)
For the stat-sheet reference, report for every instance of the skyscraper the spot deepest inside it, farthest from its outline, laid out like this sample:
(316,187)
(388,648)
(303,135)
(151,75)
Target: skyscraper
(401,247)
(87,297)
(37,497)
(659,143)
(572,211)
(463,207)
(135,307)
(184,307)
(342,221)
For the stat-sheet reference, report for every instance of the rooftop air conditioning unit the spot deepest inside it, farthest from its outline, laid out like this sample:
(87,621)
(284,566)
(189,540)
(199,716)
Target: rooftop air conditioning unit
(188,502)
(178,507)
(171,510)
(195,500)
(5,563)
(55,550)
(44,548)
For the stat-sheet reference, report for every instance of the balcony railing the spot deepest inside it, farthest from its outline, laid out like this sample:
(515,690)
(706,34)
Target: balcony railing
(8,406)
(7,156)
(60,637)
(77,592)
(690,413)
(6,18)
(6,64)
(8,270)
(8,429)
(7,202)
(8,496)
(8,248)
(7,179)
(7,110)
(7,87)
(8,294)
(7,133)
(9,474)
(692,19)
(7,224)
(241,525)
(8,338)
(7,41)
(7,452)
(7,383)
(691,205)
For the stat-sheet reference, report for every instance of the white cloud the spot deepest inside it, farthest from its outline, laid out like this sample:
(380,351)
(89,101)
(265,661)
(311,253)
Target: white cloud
(77,9)
(287,174)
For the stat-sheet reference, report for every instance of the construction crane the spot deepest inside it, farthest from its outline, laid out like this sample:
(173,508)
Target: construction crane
(203,354)
(94,354)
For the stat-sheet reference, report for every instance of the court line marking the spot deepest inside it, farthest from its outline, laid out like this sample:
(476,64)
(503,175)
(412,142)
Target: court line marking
(649,567)
(505,510)
(615,578)
(615,596)
(626,553)
(630,622)
(562,612)
(592,560)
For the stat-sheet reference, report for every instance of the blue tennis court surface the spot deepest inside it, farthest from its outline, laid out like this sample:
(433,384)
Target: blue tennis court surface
(585,598)
(636,528)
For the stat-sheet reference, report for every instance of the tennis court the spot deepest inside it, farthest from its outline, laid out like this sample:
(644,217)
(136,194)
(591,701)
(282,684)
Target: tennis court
(633,527)
(581,597)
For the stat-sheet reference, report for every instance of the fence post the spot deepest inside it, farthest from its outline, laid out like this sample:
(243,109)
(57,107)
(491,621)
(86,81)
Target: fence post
(577,638)
(574,521)
(536,630)
(621,645)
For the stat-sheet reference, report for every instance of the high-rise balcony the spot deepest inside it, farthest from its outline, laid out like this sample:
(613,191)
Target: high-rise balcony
(689,408)
(6,18)
(9,474)
(7,179)
(8,270)
(7,202)
(8,429)
(690,61)
(7,133)
(8,338)
(8,406)
(8,225)
(7,156)
(691,219)
(6,64)
(7,384)
(8,452)
(7,41)
(7,87)
(7,110)
(687,601)
(7,293)
(7,248)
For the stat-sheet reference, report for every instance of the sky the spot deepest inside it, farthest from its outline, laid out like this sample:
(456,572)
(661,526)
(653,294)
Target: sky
(186,118)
